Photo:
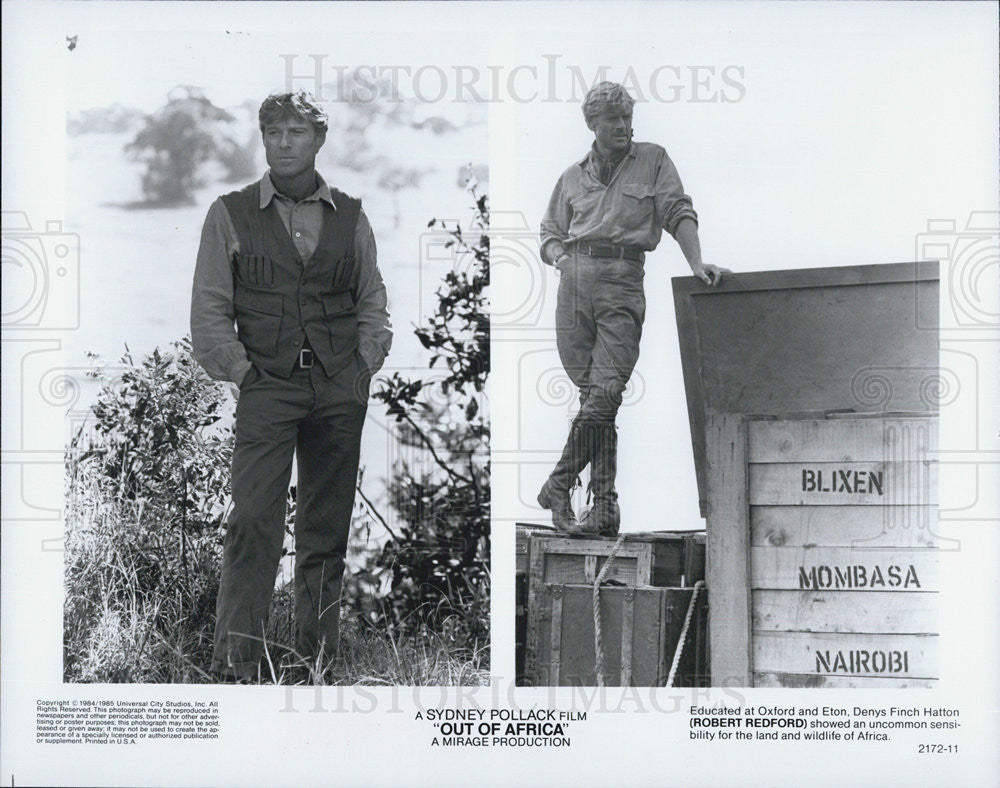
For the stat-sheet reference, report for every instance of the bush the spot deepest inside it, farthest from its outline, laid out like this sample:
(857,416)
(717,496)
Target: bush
(439,556)
(146,500)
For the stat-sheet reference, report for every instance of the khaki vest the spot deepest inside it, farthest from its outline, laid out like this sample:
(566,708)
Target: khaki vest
(280,299)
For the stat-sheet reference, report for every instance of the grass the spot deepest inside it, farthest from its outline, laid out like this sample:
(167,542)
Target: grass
(135,614)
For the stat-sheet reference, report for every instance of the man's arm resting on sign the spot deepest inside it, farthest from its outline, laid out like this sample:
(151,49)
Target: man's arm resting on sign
(686,235)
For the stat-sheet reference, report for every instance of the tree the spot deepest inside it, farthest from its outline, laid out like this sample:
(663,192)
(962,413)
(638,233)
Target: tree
(439,555)
(393,179)
(176,141)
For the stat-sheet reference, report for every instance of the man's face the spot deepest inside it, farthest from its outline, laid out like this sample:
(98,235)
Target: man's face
(291,146)
(613,129)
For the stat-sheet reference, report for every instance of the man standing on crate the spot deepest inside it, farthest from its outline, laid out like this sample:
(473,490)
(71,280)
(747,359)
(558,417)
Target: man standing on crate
(605,213)
(291,262)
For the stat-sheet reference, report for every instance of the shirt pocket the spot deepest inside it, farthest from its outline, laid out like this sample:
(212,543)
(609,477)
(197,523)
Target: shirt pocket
(638,204)
(585,202)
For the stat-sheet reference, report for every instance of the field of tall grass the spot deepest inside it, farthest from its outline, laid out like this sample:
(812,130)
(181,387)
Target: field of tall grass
(147,491)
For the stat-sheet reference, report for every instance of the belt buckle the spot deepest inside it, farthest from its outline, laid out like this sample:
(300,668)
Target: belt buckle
(306,358)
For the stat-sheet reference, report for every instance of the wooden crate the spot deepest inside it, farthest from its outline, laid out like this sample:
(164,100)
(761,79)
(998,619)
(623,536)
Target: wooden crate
(640,630)
(827,564)
(678,558)
(522,540)
(799,346)
(660,558)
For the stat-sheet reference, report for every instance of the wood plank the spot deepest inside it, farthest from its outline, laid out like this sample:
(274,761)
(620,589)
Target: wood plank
(843,568)
(564,568)
(534,639)
(555,636)
(844,484)
(727,551)
(639,552)
(565,544)
(814,681)
(857,439)
(832,276)
(694,393)
(628,624)
(822,654)
(845,526)
(907,612)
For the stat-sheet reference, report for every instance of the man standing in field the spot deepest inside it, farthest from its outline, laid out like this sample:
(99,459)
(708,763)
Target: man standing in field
(605,213)
(288,304)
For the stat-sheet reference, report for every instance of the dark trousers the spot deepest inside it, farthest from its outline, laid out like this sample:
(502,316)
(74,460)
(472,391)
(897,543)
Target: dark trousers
(319,419)
(600,310)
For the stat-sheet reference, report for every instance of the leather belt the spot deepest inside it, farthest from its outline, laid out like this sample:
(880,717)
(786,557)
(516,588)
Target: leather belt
(607,250)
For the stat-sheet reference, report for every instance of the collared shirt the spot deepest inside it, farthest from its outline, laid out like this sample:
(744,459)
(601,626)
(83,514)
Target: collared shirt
(213,332)
(605,168)
(644,197)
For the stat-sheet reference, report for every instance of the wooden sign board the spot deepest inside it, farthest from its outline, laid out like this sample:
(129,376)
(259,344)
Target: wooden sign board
(815,340)
(835,595)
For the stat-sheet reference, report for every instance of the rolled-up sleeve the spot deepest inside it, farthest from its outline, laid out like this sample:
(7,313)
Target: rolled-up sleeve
(374,327)
(213,331)
(555,223)
(671,201)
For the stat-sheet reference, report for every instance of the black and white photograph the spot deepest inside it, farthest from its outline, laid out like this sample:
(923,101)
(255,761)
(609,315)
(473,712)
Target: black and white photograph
(289,268)
(800,389)
(515,393)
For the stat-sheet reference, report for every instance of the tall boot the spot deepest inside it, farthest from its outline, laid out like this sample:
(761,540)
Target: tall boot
(604,518)
(555,492)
